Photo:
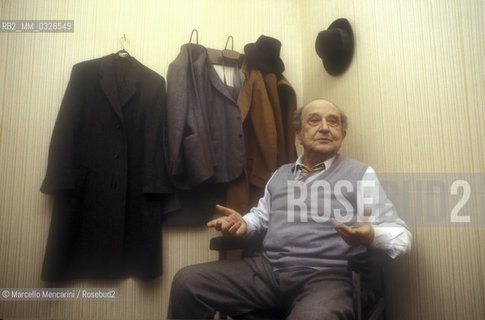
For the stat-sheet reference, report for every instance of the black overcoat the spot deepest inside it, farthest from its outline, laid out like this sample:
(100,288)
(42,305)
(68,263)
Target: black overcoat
(106,170)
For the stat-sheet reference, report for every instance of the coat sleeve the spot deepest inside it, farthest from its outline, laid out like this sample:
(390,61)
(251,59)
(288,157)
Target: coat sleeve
(188,142)
(155,177)
(263,120)
(274,98)
(177,104)
(288,107)
(60,175)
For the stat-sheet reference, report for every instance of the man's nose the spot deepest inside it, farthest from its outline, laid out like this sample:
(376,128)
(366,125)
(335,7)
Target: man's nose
(323,126)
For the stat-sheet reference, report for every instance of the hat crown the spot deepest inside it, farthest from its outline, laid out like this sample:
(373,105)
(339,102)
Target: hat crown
(332,42)
(270,47)
(335,46)
(264,54)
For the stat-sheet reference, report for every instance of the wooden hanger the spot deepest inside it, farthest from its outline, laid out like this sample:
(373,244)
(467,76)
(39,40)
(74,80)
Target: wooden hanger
(225,56)
(221,57)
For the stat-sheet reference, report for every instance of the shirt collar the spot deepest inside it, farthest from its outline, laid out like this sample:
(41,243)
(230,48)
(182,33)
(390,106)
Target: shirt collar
(328,162)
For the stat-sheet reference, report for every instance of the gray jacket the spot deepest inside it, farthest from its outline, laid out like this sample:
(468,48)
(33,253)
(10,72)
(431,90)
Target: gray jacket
(204,134)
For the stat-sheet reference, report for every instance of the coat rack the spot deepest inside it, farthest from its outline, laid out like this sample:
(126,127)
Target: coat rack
(221,57)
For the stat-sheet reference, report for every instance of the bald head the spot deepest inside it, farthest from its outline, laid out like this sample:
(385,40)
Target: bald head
(297,120)
(320,130)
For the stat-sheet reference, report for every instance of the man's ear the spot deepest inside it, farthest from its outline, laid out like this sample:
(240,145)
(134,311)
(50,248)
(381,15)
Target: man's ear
(298,132)
(344,133)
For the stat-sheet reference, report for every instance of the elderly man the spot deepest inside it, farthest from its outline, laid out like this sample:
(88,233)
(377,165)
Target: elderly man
(315,215)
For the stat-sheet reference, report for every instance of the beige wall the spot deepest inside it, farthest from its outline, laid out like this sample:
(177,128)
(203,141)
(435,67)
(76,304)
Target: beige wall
(34,70)
(414,94)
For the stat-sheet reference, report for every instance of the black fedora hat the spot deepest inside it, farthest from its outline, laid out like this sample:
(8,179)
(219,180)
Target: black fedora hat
(335,46)
(265,55)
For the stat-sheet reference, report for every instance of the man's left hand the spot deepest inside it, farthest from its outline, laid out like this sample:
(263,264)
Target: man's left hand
(362,233)
(231,223)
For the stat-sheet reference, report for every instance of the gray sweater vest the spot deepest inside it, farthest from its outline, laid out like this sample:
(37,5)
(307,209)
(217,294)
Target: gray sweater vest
(299,232)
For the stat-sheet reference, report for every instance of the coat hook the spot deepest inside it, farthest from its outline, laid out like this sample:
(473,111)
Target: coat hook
(230,54)
(232,42)
(196,36)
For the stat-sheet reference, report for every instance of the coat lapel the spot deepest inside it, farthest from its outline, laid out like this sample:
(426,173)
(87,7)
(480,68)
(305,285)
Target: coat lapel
(108,84)
(118,96)
(128,88)
(245,95)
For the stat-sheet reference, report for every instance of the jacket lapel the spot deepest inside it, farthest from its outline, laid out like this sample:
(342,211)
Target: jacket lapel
(218,84)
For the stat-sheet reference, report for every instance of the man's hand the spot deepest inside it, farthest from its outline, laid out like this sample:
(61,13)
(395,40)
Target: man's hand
(361,233)
(231,223)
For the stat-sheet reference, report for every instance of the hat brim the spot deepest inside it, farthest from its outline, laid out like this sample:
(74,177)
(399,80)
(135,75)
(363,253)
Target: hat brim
(253,55)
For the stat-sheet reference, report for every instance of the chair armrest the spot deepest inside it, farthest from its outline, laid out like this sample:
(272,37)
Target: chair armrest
(233,243)
(358,265)
(368,261)
(225,243)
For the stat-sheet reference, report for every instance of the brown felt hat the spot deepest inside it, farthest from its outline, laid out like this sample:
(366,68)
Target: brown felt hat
(335,46)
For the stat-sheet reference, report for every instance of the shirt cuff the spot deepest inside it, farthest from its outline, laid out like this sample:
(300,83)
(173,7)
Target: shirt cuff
(250,228)
(394,241)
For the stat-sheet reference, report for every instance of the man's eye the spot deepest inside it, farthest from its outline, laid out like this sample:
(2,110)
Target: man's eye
(333,122)
(314,121)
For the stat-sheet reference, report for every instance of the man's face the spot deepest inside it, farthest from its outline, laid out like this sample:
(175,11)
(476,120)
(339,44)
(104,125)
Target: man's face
(321,130)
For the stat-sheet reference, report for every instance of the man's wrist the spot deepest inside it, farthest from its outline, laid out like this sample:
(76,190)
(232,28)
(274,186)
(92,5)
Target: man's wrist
(370,237)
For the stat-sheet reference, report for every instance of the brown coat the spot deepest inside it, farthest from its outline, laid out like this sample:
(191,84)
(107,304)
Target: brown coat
(267,105)
(283,101)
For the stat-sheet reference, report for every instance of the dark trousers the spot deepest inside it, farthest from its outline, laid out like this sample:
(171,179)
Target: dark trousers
(237,288)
